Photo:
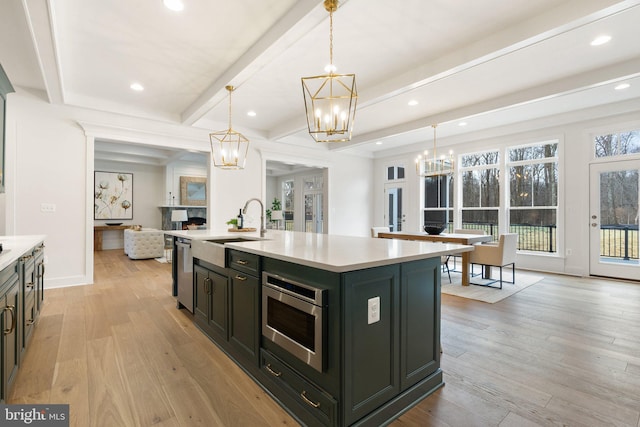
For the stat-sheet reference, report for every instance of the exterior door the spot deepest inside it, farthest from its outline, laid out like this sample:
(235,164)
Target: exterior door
(313,212)
(394,206)
(613,223)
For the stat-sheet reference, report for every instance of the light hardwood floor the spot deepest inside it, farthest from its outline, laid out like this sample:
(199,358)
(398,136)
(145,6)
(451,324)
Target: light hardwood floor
(565,351)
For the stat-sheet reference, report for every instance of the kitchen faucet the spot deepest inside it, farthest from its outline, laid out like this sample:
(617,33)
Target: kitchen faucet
(244,211)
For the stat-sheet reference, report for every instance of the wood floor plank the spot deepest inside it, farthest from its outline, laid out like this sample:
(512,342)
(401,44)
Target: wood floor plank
(564,351)
(70,384)
(109,394)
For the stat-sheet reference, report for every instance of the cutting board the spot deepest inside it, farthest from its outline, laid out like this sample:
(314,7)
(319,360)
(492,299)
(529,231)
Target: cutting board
(240,230)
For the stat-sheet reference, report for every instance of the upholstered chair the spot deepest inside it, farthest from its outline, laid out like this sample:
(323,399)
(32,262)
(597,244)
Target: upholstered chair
(500,255)
(376,230)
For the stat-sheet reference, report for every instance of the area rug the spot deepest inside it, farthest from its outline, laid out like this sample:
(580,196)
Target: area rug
(486,294)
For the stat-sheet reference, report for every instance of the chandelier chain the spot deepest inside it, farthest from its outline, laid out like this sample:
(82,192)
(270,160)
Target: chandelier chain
(435,156)
(230,90)
(331,40)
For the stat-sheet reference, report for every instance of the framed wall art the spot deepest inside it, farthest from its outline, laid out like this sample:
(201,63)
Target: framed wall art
(193,191)
(113,195)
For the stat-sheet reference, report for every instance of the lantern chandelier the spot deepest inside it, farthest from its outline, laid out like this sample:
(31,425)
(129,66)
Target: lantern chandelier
(229,148)
(330,100)
(434,166)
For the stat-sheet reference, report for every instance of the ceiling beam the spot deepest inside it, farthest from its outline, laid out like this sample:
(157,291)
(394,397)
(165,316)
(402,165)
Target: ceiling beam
(41,22)
(575,83)
(525,34)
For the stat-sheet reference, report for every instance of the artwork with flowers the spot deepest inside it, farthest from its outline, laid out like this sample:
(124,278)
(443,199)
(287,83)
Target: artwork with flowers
(113,195)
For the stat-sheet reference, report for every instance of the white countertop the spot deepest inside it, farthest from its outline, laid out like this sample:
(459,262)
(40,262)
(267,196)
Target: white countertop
(328,252)
(13,247)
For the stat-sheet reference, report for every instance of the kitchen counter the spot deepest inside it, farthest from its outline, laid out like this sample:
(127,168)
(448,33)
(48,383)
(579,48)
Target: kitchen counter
(13,247)
(325,251)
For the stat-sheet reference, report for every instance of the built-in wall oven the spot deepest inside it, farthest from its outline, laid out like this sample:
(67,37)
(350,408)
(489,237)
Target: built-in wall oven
(293,316)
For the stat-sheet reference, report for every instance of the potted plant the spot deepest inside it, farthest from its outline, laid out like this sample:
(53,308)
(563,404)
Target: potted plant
(275,206)
(233,222)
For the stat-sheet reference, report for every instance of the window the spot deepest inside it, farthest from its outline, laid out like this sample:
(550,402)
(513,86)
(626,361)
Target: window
(395,173)
(438,201)
(533,196)
(617,144)
(480,174)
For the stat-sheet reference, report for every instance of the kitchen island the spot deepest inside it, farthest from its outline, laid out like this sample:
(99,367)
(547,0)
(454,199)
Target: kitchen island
(340,330)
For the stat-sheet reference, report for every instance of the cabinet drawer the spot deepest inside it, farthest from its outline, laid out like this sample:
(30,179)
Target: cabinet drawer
(245,262)
(314,400)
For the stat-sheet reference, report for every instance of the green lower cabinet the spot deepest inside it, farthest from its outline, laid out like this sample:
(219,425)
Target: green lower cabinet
(244,327)
(210,301)
(371,350)
(394,361)
(375,366)
(9,324)
(420,302)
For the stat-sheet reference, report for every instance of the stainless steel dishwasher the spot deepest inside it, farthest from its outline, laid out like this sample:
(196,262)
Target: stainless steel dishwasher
(184,261)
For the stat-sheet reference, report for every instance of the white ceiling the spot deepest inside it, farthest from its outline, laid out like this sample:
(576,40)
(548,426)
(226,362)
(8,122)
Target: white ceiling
(489,63)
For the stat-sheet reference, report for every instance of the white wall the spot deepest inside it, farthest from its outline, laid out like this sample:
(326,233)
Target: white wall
(49,159)
(575,156)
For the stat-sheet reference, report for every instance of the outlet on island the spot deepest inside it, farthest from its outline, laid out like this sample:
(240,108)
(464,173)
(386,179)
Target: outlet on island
(373,312)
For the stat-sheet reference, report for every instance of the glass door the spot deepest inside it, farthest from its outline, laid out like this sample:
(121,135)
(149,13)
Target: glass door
(394,206)
(313,204)
(613,223)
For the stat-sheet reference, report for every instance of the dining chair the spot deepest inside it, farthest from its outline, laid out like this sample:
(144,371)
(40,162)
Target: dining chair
(478,231)
(376,230)
(499,255)
(444,262)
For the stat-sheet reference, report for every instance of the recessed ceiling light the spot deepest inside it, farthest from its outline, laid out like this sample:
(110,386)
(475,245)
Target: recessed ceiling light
(412,103)
(379,143)
(622,86)
(175,5)
(462,124)
(251,113)
(600,40)
(137,87)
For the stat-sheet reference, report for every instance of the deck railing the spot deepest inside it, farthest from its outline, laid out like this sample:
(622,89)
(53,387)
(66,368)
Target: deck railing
(619,241)
(616,241)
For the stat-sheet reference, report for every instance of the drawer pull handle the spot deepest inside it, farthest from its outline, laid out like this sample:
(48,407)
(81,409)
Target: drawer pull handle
(30,285)
(12,310)
(241,278)
(307,401)
(242,262)
(271,371)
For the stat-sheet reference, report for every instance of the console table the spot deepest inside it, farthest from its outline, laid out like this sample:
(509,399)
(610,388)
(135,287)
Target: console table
(97,234)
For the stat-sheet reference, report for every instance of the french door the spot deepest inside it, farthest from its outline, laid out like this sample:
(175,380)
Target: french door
(613,219)
(313,212)
(394,206)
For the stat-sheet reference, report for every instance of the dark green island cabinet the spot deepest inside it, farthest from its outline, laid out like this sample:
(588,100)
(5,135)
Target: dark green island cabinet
(371,372)
(21,298)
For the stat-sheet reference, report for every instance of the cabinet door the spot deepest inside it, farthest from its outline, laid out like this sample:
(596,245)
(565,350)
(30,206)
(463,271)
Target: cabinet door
(218,289)
(10,328)
(420,323)
(244,328)
(201,294)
